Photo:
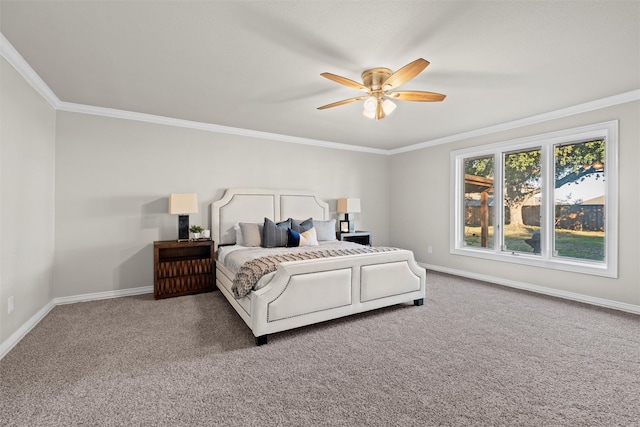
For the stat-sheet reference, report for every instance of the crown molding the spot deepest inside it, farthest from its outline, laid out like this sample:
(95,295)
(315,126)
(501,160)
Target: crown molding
(14,58)
(610,101)
(209,127)
(11,55)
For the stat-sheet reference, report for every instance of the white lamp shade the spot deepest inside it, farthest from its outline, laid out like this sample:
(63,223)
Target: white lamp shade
(388,106)
(183,203)
(369,114)
(370,104)
(348,205)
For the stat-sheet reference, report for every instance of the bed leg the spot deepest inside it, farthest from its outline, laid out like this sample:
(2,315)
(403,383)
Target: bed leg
(418,301)
(261,340)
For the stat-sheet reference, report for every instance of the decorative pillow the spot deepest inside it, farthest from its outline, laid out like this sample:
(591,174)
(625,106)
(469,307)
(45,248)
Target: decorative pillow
(293,238)
(309,238)
(251,234)
(303,226)
(239,240)
(275,235)
(326,230)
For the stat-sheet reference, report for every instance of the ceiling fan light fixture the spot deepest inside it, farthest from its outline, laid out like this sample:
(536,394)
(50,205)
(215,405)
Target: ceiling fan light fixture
(380,86)
(370,104)
(388,106)
(369,114)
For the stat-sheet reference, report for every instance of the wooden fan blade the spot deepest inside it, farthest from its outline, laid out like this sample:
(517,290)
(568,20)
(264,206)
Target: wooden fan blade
(413,95)
(406,73)
(345,81)
(344,101)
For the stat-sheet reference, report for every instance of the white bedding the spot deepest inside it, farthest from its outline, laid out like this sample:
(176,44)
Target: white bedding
(233,257)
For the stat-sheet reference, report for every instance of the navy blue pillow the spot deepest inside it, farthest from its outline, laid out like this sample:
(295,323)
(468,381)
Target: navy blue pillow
(303,226)
(293,238)
(275,235)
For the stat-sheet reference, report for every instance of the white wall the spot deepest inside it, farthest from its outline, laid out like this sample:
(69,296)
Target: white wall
(420,194)
(113,177)
(27,165)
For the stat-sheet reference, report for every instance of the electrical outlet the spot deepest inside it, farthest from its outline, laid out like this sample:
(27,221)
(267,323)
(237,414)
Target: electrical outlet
(10,305)
(429,249)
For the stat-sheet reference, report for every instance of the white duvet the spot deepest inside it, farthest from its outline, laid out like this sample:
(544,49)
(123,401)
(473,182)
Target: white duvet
(233,257)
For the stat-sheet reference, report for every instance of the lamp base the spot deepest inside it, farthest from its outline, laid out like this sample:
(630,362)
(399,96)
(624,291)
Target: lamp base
(183,228)
(347,225)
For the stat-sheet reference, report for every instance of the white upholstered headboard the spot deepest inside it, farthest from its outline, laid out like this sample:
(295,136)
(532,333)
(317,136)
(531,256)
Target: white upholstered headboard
(254,204)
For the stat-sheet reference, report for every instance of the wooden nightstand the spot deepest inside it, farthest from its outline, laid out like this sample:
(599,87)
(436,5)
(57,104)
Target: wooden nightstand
(182,268)
(361,237)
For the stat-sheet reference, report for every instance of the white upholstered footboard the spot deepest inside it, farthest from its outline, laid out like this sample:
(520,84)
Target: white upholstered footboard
(302,293)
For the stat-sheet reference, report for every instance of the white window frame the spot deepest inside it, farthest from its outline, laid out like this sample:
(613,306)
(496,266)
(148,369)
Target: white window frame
(608,268)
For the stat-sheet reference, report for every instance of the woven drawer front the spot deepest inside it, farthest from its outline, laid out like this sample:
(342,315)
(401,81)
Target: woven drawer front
(184,268)
(184,284)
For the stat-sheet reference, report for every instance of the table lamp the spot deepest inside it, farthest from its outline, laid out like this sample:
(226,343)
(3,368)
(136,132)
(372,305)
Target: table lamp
(182,205)
(347,206)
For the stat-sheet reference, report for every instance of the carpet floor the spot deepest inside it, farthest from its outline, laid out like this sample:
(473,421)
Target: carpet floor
(474,355)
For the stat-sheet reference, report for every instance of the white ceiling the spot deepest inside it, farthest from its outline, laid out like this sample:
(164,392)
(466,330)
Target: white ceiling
(256,64)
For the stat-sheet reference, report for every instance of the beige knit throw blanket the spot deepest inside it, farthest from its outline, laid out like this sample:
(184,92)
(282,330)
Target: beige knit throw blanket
(252,271)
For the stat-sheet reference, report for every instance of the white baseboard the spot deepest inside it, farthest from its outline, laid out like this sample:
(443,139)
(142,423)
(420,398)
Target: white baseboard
(601,302)
(103,295)
(23,330)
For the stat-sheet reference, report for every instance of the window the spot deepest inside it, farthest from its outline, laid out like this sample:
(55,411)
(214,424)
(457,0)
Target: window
(478,197)
(579,200)
(548,200)
(521,182)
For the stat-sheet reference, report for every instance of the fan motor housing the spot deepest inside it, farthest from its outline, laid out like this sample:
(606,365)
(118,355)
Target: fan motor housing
(375,77)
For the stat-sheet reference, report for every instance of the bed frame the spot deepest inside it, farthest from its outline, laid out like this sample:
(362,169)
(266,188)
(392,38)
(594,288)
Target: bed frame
(302,293)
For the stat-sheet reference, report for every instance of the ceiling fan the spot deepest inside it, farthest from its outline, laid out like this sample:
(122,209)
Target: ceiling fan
(380,85)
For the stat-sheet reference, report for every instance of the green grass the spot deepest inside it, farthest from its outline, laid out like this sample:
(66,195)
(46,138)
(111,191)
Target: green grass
(472,236)
(580,244)
(569,243)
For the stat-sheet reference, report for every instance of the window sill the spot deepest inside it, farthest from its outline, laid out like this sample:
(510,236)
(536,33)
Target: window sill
(572,265)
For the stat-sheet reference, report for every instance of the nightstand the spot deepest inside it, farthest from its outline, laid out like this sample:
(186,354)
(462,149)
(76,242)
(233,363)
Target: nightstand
(361,237)
(182,268)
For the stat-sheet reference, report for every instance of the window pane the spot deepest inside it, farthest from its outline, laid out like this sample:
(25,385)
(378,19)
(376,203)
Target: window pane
(521,203)
(579,199)
(478,202)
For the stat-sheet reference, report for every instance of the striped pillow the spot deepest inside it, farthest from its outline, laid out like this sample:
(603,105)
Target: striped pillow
(275,235)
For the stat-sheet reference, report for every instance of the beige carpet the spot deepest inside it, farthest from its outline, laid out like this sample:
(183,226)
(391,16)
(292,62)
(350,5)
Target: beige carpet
(474,354)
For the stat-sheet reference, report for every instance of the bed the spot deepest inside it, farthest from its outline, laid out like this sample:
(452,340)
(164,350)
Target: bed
(304,292)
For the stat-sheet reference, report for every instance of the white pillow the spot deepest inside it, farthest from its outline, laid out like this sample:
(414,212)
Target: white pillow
(309,238)
(238,231)
(326,230)
(251,234)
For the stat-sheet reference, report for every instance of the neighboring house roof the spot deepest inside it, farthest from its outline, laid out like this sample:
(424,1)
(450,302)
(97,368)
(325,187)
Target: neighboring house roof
(595,201)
